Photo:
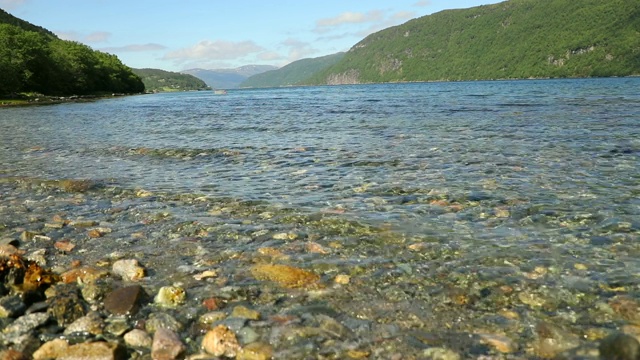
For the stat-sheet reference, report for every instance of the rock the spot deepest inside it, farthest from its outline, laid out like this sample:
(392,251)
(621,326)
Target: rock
(284,275)
(124,301)
(138,338)
(26,324)
(437,353)
(162,321)
(83,223)
(221,341)
(95,350)
(12,354)
(211,317)
(11,306)
(170,296)
(51,350)
(619,346)
(128,269)
(255,351)
(117,326)
(342,279)
(332,327)
(501,343)
(91,323)
(84,274)
(166,345)
(66,306)
(245,313)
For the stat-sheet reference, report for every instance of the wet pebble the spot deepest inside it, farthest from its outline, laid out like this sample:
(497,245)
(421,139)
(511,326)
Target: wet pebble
(166,345)
(170,296)
(125,300)
(138,338)
(619,346)
(221,341)
(128,269)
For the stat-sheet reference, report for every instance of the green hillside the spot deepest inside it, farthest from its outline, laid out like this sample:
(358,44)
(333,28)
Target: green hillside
(292,74)
(156,80)
(33,59)
(512,39)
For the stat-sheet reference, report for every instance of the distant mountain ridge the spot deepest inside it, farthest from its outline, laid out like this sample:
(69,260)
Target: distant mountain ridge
(228,78)
(514,39)
(292,74)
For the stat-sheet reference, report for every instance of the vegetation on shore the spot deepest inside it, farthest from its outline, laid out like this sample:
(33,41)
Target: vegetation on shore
(34,60)
(156,80)
(510,40)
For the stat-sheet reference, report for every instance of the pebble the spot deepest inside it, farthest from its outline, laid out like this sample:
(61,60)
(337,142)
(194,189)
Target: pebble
(221,341)
(128,269)
(66,305)
(245,313)
(11,306)
(60,349)
(138,338)
(162,321)
(285,275)
(619,346)
(166,345)
(26,324)
(255,351)
(170,296)
(91,323)
(125,300)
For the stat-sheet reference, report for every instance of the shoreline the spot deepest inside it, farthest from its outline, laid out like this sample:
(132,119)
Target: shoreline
(35,100)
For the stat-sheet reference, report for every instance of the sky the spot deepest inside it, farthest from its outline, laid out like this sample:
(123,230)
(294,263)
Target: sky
(216,34)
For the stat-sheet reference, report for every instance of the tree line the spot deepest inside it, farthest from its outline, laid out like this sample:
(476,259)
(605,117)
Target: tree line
(37,61)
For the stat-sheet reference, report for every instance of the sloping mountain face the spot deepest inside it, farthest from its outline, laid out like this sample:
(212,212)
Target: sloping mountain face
(512,39)
(6,18)
(33,59)
(292,74)
(228,78)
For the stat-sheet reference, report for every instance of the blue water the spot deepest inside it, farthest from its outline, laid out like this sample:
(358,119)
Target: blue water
(446,203)
(503,150)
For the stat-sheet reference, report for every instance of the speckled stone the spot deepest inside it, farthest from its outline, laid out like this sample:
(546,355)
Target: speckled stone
(166,345)
(138,338)
(221,341)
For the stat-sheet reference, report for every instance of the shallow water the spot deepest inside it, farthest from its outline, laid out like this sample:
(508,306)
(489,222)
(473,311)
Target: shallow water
(481,181)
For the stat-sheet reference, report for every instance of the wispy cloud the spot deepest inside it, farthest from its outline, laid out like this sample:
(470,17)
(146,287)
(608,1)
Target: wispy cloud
(11,4)
(134,48)
(214,50)
(423,3)
(346,18)
(92,38)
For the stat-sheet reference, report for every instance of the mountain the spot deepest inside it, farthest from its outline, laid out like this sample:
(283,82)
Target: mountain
(33,59)
(511,39)
(6,18)
(156,80)
(292,74)
(228,78)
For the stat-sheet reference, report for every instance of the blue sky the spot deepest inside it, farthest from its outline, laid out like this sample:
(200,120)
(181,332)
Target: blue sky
(214,34)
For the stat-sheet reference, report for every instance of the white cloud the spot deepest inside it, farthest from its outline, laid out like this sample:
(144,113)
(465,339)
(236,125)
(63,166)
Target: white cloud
(135,48)
(97,37)
(346,18)
(11,4)
(207,50)
(423,3)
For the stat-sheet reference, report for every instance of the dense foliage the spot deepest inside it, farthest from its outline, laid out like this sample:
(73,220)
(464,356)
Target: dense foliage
(292,74)
(512,39)
(34,60)
(156,80)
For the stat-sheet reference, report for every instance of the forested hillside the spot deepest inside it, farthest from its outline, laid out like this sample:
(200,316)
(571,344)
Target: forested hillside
(156,80)
(512,39)
(292,74)
(33,59)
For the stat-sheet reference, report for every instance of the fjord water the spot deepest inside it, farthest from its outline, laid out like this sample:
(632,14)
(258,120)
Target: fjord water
(446,202)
